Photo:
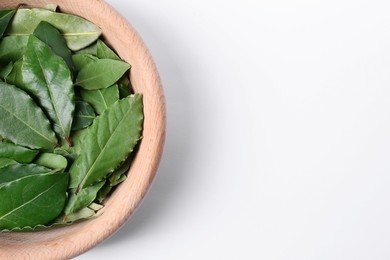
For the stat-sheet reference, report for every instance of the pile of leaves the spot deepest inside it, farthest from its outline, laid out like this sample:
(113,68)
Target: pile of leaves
(68,119)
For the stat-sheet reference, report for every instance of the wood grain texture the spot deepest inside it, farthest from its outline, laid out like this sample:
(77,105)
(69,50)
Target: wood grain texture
(70,241)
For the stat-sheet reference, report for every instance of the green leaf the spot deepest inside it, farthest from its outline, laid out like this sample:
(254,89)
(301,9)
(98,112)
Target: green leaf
(31,129)
(47,79)
(101,99)
(5,18)
(78,32)
(17,153)
(12,48)
(82,199)
(52,161)
(15,76)
(82,60)
(6,70)
(92,50)
(83,117)
(124,86)
(78,141)
(52,37)
(101,74)
(32,200)
(14,172)
(105,52)
(4,162)
(51,7)
(108,142)
(104,191)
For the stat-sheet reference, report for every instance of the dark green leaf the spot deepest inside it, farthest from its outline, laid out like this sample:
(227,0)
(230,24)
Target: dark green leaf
(14,172)
(32,200)
(12,48)
(101,74)
(6,70)
(47,78)
(101,99)
(83,117)
(78,32)
(104,191)
(119,129)
(82,60)
(82,199)
(125,88)
(52,161)
(31,129)
(52,37)
(5,18)
(16,152)
(105,52)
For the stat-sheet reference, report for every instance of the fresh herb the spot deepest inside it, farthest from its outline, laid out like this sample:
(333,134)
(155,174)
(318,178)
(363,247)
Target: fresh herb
(69,121)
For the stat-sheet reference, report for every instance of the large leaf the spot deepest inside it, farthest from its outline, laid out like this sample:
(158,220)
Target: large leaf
(14,172)
(5,18)
(22,121)
(82,199)
(83,117)
(12,48)
(101,74)
(78,32)
(47,78)
(105,52)
(32,200)
(52,37)
(101,99)
(108,142)
(16,152)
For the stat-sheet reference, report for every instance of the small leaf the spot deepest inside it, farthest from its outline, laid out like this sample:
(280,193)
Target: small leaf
(101,74)
(32,200)
(119,129)
(124,86)
(15,76)
(14,172)
(83,117)
(16,152)
(52,161)
(47,78)
(101,99)
(82,60)
(51,7)
(6,70)
(4,162)
(5,18)
(105,52)
(52,37)
(82,199)
(30,129)
(12,48)
(104,192)
(78,32)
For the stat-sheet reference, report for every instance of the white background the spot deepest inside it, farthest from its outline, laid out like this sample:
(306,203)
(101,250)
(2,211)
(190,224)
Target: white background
(278,139)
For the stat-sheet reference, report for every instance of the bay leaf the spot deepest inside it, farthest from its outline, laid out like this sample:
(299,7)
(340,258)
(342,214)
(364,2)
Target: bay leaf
(101,74)
(18,153)
(14,77)
(91,49)
(12,48)
(4,162)
(83,117)
(105,52)
(125,88)
(6,70)
(104,191)
(108,142)
(101,99)
(5,18)
(82,199)
(78,141)
(33,200)
(52,161)
(52,37)
(16,171)
(47,78)
(78,32)
(81,60)
(30,129)
(51,7)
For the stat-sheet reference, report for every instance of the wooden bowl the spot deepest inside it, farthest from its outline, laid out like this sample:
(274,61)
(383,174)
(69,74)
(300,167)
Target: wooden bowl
(70,241)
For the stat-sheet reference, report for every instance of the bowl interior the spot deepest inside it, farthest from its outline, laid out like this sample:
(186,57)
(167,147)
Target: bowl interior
(67,242)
